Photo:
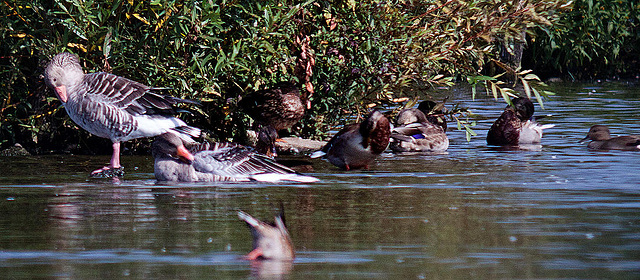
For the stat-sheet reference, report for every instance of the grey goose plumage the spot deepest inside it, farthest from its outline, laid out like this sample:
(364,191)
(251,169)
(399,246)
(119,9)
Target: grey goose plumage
(113,107)
(177,160)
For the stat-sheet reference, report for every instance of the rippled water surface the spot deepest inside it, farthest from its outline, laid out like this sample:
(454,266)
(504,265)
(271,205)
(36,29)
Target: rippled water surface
(558,211)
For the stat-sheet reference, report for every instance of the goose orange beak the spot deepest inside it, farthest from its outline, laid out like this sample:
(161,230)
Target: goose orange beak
(61,91)
(184,154)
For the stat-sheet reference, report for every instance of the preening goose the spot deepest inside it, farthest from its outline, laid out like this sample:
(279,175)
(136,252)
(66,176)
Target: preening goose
(177,160)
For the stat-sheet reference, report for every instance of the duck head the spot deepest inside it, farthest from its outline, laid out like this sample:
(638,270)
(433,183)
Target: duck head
(523,107)
(266,143)
(598,133)
(434,112)
(62,72)
(375,131)
(411,115)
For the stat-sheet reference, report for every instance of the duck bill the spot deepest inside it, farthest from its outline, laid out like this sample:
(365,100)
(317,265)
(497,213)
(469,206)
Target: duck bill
(184,155)
(61,91)
(584,139)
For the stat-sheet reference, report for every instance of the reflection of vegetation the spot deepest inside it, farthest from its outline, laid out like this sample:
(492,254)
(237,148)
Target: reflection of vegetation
(344,54)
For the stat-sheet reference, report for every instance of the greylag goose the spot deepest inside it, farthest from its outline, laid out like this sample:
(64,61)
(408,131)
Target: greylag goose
(113,107)
(601,140)
(357,145)
(414,133)
(270,242)
(177,160)
(516,125)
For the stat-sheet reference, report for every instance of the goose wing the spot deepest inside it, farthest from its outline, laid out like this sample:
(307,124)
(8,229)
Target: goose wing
(128,95)
(232,160)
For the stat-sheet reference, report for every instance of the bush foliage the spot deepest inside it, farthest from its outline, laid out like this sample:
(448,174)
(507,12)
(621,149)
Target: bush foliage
(346,55)
(593,39)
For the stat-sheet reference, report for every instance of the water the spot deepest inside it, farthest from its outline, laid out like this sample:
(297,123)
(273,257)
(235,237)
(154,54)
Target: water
(560,211)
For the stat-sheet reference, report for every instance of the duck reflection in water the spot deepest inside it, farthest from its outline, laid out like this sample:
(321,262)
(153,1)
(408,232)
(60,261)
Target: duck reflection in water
(271,269)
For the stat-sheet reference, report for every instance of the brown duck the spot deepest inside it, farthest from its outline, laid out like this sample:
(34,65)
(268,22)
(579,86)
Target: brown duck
(516,125)
(270,241)
(601,140)
(280,107)
(357,145)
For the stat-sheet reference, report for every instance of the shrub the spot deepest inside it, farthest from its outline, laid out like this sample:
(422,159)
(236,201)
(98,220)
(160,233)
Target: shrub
(347,56)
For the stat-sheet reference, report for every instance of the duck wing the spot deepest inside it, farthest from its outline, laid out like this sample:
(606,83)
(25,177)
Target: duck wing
(416,131)
(325,149)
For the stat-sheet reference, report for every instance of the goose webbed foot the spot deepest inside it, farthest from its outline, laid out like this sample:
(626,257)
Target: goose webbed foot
(107,172)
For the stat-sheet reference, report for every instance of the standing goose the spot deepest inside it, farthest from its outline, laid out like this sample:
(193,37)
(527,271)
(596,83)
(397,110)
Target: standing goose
(601,140)
(176,160)
(113,107)
(516,125)
(270,241)
(357,145)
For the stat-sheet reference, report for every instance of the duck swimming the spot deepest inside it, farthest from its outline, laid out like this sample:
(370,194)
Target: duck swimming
(357,145)
(414,133)
(601,140)
(516,125)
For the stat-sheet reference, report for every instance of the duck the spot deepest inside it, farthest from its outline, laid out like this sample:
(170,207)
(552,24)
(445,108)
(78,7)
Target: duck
(601,139)
(270,241)
(113,107)
(266,142)
(280,106)
(516,125)
(357,145)
(183,161)
(435,112)
(415,133)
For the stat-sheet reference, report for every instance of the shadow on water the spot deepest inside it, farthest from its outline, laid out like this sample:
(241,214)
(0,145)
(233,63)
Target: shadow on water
(555,211)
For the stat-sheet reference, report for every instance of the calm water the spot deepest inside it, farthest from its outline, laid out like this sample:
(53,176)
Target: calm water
(560,211)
